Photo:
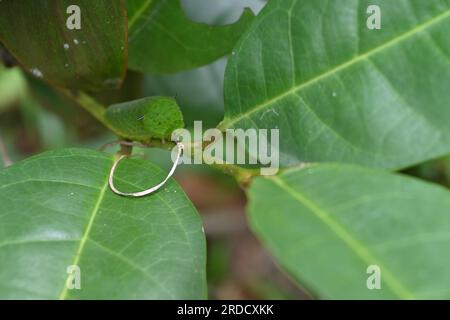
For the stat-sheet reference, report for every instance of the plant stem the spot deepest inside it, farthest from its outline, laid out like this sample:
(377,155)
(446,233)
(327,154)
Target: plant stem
(90,105)
(4,154)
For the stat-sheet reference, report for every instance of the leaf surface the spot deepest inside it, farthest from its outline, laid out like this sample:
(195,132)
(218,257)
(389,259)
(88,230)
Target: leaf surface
(91,58)
(326,224)
(339,92)
(163,40)
(57,210)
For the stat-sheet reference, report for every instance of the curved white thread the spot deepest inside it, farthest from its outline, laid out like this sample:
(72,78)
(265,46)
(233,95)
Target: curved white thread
(148,191)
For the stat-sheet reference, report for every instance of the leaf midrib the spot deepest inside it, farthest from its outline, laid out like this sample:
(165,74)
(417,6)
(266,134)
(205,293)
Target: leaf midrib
(85,236)
(228,122)
(354,244)
(138,13)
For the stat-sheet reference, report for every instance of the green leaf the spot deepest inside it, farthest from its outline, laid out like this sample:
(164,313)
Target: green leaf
(326,224)
(340,92)
(92,58)
(143,119)
(163,40)
(57,211)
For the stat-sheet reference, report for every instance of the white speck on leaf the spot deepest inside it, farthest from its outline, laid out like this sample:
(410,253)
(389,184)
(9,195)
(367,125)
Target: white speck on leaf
(37,73)
(66,46)
(334,94)
(76,41)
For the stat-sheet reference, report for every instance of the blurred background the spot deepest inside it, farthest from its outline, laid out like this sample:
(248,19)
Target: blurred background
(34,118)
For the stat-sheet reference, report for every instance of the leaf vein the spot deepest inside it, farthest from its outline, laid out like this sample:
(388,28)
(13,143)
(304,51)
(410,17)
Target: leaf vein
(231,121)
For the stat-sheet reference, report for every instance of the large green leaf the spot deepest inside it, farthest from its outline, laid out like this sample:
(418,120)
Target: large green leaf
(91,58)
(163,40)
(326,224)
(340,92)
(57,210)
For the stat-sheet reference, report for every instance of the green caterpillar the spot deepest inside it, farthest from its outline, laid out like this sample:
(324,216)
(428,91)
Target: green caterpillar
(145,119)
